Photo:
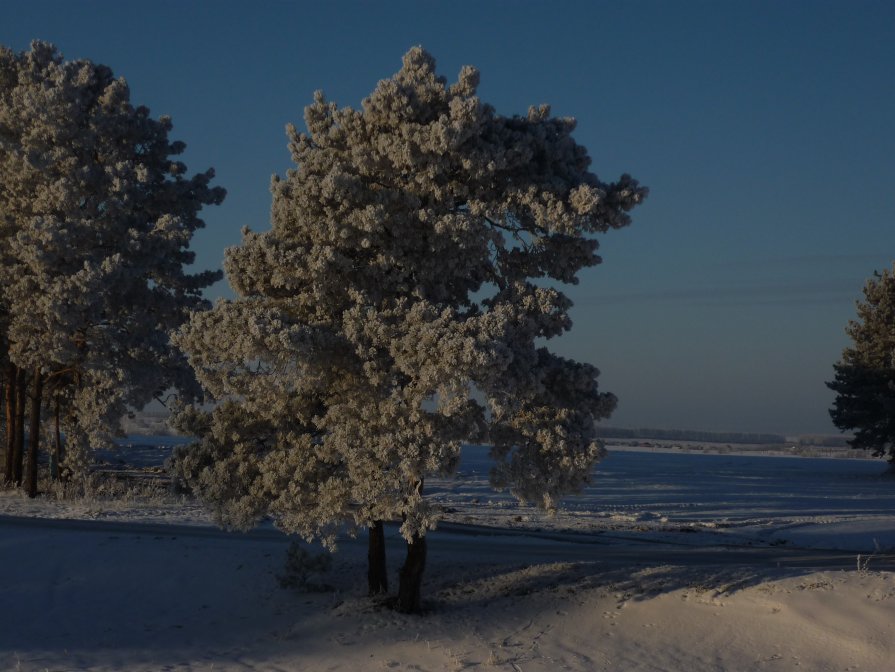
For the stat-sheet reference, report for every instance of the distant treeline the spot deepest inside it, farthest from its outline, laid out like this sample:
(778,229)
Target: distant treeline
(688,435)
(825,441)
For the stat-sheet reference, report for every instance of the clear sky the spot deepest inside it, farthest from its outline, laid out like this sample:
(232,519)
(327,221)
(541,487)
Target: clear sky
(763,129)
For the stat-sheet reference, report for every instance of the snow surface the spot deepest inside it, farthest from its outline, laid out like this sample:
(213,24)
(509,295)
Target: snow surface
(667,561)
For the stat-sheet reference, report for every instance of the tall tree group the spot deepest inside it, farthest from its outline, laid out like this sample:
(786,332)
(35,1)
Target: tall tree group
(96,217)
(398,307)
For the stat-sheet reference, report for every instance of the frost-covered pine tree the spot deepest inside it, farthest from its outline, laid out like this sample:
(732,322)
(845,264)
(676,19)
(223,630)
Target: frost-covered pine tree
(865,376)
(395,310)
(96,217)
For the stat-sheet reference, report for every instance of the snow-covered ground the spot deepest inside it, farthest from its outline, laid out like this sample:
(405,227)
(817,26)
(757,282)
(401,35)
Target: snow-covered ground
(667,561)
(702,499)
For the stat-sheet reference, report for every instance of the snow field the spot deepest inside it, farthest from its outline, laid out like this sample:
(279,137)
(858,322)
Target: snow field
(612,583)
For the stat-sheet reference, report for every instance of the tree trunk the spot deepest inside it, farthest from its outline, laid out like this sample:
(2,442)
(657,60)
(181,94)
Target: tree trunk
(56,462)
(10,386)
(377,572)
(411,577)
(34,433)
(19,437)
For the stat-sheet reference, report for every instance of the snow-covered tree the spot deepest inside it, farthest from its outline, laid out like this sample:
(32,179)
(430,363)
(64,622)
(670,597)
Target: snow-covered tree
(396,308)
(865,375)
(96,217)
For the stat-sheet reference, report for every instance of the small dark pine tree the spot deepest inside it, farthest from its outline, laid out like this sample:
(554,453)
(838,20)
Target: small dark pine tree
(865,376)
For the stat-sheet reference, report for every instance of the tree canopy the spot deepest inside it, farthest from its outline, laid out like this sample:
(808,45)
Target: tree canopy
(397,307)
(865,375)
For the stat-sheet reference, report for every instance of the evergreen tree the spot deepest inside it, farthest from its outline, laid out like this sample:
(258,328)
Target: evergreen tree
(865,376)
(394,310)
(96,217)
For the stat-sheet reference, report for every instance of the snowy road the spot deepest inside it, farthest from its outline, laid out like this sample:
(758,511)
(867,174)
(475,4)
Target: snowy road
(486,545)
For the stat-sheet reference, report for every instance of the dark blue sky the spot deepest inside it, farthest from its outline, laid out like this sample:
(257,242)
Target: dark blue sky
(763,129)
